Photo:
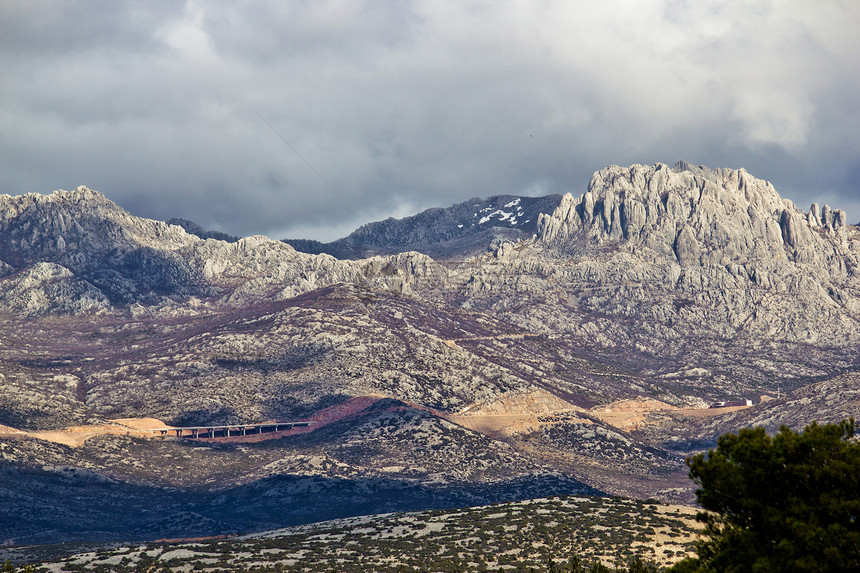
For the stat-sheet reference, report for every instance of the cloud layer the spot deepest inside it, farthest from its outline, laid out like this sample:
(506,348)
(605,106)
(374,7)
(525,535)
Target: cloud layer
(400,106)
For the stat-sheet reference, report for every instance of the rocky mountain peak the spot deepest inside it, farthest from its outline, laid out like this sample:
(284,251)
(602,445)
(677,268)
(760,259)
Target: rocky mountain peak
(77,251)
(465,228)
(695,215)
(38,223)
(720,240)
(84,232)
(685,247)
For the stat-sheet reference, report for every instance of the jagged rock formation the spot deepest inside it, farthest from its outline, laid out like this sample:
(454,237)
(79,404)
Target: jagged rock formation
(700,216)
(127,258)
(49,287)
(721,243)
(112,256)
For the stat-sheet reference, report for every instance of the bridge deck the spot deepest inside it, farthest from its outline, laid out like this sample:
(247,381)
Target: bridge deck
(227,431)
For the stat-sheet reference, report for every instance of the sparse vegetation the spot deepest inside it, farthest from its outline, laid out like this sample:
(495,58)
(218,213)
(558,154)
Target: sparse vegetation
(555,534)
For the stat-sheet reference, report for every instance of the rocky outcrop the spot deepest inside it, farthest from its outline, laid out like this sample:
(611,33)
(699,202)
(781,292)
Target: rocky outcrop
(733,215)
(127,258)
(48,287)
(114,258)
(723,241)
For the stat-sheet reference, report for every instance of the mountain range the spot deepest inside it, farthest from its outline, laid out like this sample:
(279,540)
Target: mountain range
(459,230)
(499,349)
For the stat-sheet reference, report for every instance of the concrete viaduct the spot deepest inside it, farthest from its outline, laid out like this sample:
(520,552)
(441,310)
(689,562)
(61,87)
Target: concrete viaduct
(195,432)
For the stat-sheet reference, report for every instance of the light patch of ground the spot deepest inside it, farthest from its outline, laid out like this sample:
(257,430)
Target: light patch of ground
(76,436)
(491,424)
(141,423)
(512,413)
(629,414)
(633,414)
(9,431)
(519,403)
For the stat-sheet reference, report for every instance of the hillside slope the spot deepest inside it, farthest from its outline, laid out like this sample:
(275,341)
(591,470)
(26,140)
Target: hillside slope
(500,371)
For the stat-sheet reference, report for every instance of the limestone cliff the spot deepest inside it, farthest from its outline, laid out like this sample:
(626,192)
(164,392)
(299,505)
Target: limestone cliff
(720,243)
(701,216)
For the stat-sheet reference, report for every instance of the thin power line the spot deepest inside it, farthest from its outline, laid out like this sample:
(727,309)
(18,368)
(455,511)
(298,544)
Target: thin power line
(570,145)
(333,190)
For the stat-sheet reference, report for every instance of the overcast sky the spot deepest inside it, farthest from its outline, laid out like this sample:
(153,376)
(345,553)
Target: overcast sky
(394,107)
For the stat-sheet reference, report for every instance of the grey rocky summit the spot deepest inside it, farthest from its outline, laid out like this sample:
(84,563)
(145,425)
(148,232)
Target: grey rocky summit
(127,260)
(462,229)
(725,241)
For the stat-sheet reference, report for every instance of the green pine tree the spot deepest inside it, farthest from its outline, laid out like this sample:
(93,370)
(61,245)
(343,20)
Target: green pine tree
(786,503)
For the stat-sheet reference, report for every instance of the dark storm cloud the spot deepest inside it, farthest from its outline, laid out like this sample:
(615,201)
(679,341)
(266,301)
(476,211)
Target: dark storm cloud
(406,105)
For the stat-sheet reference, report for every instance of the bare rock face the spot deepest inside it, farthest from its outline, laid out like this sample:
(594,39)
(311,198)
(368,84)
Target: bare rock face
(258,268)
(733,214)
(127,258)
(48,287)
(687,247)
(742,258)
(114,258)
